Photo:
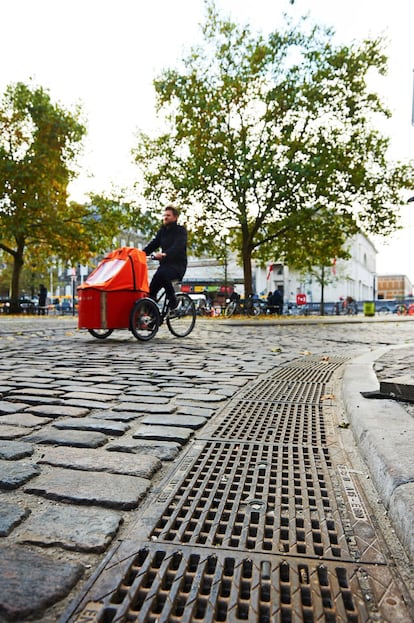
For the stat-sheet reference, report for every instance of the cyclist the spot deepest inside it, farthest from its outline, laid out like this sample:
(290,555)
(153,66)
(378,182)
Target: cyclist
(171,238)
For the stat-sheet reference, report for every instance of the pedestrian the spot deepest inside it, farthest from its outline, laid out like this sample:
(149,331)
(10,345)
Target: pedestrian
(171,238)
(277,301)
(42,299)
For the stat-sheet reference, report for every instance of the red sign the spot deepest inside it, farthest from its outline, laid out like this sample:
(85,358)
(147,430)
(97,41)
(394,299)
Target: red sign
(301,299)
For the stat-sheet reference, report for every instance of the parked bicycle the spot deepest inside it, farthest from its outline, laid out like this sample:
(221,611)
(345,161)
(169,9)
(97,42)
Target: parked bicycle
(248,306)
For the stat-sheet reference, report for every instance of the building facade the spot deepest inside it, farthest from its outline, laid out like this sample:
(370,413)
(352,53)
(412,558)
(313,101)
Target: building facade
(354,278)
(394,287)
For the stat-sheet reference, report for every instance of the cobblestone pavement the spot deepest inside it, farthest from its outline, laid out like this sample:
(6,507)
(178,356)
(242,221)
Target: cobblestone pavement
(76,413)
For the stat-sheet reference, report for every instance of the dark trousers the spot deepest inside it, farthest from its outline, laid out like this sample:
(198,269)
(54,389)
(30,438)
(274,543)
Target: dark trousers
(162,279)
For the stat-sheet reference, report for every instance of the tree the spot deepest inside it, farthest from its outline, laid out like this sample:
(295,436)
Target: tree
(39,143)
(264,132)
(315,256)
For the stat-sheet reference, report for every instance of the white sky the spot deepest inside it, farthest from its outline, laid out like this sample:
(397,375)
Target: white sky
(104,55)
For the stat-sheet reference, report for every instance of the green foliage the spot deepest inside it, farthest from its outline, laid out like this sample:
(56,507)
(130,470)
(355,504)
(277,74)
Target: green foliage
(39,144)
(270,137)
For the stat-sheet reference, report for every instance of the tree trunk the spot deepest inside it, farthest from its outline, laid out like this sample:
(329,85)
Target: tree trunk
(15,282)
(247,268)
(322,305)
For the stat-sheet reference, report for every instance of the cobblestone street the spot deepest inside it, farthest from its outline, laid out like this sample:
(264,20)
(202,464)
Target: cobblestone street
(89,427)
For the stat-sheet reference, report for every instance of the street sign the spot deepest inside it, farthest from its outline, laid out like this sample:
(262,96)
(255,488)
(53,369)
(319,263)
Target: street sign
(301,299)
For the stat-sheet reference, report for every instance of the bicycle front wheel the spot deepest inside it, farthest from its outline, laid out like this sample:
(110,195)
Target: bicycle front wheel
(101,334)
(181,320)
(144,319)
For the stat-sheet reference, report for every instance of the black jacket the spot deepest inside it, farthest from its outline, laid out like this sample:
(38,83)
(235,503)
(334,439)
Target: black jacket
(172,240)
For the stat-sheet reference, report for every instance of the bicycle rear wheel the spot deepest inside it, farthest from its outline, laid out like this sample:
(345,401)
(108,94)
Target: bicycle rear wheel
(181,320)
(144,319)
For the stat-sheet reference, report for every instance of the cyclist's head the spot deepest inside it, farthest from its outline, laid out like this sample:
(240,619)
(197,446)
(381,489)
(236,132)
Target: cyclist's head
(170,215)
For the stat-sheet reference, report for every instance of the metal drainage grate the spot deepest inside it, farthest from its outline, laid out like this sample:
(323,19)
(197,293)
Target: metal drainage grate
(256,497)
(288,391)
(269,422)
(302,374)
(178,586)
(317,362)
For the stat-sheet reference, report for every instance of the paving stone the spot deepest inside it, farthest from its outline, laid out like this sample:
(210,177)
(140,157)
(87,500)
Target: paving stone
(33,391)
(12,407)
(193,410)
(77,439)
(13,450)
(103,426)
(87,404)
(200,397)
(5,389)
(141,390)
(187,421)
(143,407)
(36,400)
(11,432)
(11,515)
(73,528)
(31,581)
(117,416)
(14,474)
(111,387)
(92,488)
(24,419)
(90,460)
(97,390)
(88,396)
(94,379)
(150,399)
(167,433)
(225,390)
(163,450)
(58,411)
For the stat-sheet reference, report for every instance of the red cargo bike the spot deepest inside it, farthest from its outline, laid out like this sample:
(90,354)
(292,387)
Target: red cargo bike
(115,296)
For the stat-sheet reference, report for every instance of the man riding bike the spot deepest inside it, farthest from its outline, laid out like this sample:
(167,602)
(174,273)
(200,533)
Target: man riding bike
(172,239)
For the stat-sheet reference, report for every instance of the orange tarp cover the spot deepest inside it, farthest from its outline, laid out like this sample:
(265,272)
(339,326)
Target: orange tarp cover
(122,269)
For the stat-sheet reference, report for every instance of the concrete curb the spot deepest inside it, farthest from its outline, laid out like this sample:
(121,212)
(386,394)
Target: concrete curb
(384,432)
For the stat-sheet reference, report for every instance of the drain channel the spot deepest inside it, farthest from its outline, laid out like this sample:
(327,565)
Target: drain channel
(261,520)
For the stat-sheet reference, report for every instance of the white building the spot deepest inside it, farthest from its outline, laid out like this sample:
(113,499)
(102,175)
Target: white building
(355,277)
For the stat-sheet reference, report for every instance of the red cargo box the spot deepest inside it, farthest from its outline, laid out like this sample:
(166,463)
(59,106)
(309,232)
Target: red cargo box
(106,298)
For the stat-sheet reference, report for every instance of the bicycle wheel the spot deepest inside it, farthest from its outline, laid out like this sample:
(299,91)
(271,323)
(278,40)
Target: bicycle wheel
(101,334)
(144,319)
(230,309)
(181,320)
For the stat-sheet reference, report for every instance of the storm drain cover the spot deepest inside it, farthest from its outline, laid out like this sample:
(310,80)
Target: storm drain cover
(271,422)
(265,498)
(271,390)
(309,370)
(182,585)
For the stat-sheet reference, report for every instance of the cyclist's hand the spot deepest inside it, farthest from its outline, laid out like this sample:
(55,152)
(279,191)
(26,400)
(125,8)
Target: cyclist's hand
(158,255)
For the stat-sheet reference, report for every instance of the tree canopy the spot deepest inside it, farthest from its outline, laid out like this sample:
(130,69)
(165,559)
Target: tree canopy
(39,144)
(269,138)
